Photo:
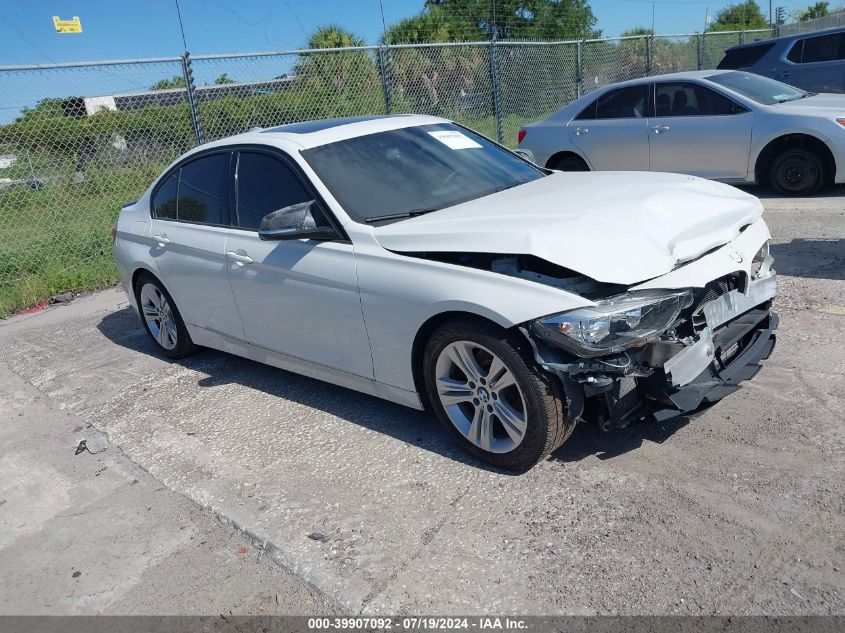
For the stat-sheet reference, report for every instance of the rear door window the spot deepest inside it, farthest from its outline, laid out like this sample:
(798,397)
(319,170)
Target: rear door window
(822,48)
(796,51)
(203,190)
(623,103)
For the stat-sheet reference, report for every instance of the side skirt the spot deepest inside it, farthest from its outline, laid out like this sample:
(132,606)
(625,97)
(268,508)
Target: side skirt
(216,340)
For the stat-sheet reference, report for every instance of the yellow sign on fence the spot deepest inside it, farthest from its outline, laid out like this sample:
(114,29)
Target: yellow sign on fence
(67,26)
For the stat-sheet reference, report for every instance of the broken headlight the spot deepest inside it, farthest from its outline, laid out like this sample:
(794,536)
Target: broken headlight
(614,324)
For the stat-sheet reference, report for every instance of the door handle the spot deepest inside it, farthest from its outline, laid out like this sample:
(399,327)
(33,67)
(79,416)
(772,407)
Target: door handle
(659,129)
(581,130)
(239,257)
(784,74)
(161,240)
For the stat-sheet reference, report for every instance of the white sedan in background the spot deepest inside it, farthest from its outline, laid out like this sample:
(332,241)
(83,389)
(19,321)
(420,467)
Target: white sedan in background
(731,126)
(412,259)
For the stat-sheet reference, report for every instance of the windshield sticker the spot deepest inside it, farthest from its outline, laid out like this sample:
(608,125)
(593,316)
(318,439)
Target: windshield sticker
(454,139)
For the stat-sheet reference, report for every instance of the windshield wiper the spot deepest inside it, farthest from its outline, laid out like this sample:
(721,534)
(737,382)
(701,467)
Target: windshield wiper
(416,212)
(803,96)
(399,216)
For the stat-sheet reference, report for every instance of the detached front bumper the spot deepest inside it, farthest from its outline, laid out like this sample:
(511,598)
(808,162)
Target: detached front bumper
(733,332)
(739,332)
(755,332)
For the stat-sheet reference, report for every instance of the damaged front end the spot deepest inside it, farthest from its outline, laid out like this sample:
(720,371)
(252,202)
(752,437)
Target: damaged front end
(655,354)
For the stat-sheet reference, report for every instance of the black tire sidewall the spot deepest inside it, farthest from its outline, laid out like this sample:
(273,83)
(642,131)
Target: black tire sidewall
(786,155)
(543,433)
(184,344)
(569,163)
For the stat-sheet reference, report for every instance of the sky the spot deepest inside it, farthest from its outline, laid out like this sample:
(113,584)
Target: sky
(120,29)
(132,29)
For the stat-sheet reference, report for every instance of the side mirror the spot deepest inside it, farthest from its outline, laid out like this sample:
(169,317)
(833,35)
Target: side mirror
(295,222)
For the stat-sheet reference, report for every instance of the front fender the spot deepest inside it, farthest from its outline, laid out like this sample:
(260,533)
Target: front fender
(399,293)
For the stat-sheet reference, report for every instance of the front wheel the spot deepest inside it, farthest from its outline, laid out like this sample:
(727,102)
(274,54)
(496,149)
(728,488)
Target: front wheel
(797,172)
(491,397)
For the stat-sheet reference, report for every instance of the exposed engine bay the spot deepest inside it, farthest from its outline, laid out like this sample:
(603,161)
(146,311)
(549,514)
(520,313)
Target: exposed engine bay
(530,268)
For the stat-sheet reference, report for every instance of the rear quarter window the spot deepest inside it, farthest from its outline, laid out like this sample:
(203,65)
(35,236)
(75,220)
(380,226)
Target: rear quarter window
(164,202)
(744,57)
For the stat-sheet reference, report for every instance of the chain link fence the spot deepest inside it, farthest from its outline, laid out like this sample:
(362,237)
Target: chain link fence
(79,140)
(808,26)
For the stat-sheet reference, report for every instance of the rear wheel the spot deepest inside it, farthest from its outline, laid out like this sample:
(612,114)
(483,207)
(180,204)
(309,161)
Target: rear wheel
(569,163)
(491,397)
(161,318)
(797,172)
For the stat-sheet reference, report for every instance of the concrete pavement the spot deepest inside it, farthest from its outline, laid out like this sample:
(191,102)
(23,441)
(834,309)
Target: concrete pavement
(736,510)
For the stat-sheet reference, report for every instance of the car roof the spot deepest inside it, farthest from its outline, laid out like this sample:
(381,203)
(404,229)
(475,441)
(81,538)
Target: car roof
(307,134)
(679,76)
(788,38)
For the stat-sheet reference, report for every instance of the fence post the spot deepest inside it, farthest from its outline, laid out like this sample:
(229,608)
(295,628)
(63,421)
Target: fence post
(494,83)
(579,65)
(192,102)
(649,40)
(742,37)
(699,53)
(385,82)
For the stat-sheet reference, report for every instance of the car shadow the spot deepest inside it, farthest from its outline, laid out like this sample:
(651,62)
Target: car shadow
(588,440)
(419,428)
(767,192)
(817,258)
(219,368)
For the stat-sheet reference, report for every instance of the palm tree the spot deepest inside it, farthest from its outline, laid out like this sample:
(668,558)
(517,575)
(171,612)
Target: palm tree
(334,36)
(335,75)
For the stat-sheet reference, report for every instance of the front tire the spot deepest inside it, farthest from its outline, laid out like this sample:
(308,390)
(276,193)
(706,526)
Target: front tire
(797,172)
(161,318)
(491,397)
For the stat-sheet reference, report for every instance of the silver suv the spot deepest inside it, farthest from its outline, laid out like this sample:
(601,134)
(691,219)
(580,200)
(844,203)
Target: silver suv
(811,61)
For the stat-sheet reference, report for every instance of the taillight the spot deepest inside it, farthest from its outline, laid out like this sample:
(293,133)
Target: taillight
(113,232)
(841,121)
(520,136)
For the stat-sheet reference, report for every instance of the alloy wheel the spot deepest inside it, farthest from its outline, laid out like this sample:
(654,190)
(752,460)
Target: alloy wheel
(158,316)
(481,397)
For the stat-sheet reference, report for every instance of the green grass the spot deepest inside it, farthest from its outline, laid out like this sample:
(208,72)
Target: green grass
(58,238)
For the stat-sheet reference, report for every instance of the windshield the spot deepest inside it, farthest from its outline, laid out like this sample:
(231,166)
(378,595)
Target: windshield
(760,89)
(415,170)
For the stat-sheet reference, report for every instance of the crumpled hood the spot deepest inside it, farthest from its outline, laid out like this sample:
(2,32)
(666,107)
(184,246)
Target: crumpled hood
(615,227)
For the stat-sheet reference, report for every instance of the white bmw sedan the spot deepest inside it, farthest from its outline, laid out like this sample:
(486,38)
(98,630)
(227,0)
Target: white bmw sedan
(412,259)
(731,126)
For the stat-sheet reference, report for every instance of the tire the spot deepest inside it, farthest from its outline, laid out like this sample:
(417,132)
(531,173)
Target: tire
(569,163)
(797,172)
(532,407)
(147,288)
